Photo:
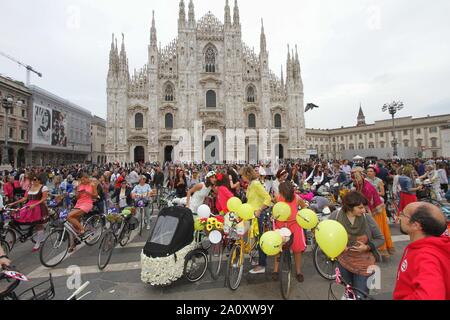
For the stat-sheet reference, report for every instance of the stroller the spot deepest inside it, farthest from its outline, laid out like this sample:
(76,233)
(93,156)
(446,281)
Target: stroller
(171,252)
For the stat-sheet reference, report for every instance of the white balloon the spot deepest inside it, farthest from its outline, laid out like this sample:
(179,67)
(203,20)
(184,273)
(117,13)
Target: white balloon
(215,237)
(285,232)
(204,211)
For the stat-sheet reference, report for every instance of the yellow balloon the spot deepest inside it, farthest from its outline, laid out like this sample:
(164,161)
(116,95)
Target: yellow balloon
(271,243)
(198,226)
(307,219)
(233,204)
(281,211)
(331,237)
(246,212)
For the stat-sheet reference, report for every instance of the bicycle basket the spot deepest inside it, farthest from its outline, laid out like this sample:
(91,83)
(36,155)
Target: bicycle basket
(43,291)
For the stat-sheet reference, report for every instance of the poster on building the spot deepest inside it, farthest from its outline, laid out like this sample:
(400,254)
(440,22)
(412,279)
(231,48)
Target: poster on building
(42,125)
(59,129)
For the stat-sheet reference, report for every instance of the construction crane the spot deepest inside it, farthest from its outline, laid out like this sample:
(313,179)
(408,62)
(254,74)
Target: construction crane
(29,68)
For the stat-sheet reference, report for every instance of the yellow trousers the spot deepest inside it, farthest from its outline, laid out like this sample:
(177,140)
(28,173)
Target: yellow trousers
(381,220)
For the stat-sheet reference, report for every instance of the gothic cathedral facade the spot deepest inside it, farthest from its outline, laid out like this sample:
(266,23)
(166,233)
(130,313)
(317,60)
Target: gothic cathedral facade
(208,84)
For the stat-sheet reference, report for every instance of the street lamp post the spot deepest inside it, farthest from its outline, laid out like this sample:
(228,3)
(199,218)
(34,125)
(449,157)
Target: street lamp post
(8,104)
(393,108)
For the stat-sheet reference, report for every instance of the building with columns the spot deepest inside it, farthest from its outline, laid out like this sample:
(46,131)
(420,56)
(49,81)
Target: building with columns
(18,133)
(199,90)
(425,137)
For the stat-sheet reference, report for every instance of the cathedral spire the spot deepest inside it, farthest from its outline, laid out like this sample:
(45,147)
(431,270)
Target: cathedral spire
(289,67)
(191,14)
(153,38)
(263,44)
(282,77)
(113,58)
(227,14)
(182,16)
(236,19)
(361,117)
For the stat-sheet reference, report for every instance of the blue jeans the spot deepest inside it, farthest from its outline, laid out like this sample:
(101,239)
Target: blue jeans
(262,256)
(355,280)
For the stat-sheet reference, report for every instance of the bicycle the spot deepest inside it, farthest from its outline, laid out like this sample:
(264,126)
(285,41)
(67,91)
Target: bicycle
(11,230)
(350,293)
(196,261)
(322,263)
(117,231)
(285,268)
(240,247)
(10,280)
(141,203)
(56,245)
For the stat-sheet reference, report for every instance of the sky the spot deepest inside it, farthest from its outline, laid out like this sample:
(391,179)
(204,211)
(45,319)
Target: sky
(352,52)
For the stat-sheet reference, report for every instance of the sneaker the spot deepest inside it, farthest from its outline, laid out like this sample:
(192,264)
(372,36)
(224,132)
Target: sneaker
(258,270)
(391,251)
(148,227)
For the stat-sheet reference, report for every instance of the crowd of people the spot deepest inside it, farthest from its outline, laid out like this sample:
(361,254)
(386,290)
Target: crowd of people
(364,213)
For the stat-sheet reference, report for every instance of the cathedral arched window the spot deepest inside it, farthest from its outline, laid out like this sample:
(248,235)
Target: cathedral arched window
(169,121)
(211,99)
(168,93)
(139,121)
(210,59)
(251,95)
(277,121)
(252,121)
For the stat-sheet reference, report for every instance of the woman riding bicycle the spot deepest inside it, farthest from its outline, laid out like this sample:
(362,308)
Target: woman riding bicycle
(85,193)
(287,195)
(142,192)
(36,199)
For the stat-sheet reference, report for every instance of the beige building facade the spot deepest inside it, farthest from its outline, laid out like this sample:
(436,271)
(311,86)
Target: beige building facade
(17,131)
(416,138)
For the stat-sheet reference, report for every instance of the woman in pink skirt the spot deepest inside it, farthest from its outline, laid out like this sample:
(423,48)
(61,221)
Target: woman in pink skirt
(298,246)
(86,192)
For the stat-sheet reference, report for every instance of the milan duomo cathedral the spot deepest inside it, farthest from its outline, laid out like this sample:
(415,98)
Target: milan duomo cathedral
(206,96)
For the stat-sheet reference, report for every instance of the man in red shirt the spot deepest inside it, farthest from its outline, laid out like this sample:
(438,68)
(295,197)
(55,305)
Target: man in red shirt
(119,180)
(424,271)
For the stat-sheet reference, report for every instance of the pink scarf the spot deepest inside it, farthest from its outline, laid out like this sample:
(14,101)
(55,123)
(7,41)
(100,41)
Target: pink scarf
(372,196)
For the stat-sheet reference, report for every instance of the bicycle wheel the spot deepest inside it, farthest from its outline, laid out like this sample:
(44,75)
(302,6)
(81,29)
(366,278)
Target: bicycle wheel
(4,245)
(324,265)
(54,248)
(285,269)
(9,236)
(105,250)
(195,265)
(125,235)
(235,267)
(141,223)
(94,229)
(215,259)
